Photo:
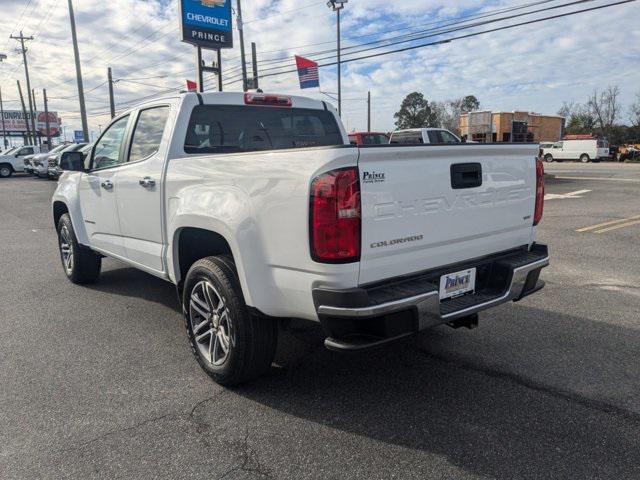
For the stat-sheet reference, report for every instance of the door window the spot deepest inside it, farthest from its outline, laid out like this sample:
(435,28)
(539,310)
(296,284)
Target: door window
(148,133)
(108,151)
(448,137)
(434,136)
(25,151)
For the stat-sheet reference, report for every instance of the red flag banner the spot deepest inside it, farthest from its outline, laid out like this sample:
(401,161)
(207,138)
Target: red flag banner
(307,72)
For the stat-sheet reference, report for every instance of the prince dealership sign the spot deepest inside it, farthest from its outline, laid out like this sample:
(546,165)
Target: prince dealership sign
(207,23)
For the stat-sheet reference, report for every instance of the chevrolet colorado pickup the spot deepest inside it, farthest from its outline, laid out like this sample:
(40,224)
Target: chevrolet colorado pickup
(258,209)
(12,161)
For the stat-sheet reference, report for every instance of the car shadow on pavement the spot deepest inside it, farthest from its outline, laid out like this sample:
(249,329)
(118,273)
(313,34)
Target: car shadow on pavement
(130,282)
(484,419)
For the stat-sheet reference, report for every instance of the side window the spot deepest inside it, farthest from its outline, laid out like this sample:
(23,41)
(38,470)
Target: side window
(148,133)
(25,151)
(434,136)
(107,152)
(448,137)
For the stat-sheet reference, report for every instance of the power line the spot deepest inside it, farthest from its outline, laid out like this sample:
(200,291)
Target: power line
(437,31)
(460,37)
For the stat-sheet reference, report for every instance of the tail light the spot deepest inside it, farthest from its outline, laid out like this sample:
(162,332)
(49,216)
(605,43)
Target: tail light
(335,216)
(537,216)
(267,100)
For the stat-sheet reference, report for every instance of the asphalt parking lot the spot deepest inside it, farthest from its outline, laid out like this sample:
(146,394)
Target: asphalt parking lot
(98,382)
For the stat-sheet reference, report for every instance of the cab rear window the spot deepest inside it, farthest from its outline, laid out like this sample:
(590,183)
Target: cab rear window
(230,128)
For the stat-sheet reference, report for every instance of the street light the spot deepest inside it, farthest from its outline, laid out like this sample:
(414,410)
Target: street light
(4,131)
(336,6)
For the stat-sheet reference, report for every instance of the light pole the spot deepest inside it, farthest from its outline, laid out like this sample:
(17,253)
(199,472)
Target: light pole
(336,6)
(4,131)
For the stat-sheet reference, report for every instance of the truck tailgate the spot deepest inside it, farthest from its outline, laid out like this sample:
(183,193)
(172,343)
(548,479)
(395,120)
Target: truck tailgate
(428,206)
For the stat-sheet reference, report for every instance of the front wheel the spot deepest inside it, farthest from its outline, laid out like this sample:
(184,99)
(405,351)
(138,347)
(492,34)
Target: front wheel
(5,171)
(584,158)
(80,264)
(548,158)
(232,344)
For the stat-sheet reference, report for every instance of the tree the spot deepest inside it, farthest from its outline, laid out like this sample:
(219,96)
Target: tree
(469,104)
(634,111)
(579,118)
(415,112)
(448,112)
(604,106)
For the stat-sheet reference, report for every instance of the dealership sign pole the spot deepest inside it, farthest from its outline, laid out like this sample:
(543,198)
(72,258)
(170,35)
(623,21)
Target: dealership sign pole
(206,24)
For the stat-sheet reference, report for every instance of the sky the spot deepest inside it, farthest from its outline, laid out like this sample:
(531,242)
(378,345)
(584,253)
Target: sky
(533,68)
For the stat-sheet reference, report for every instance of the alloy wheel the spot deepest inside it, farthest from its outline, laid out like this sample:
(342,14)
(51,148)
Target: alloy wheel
(66,250)
(210,323)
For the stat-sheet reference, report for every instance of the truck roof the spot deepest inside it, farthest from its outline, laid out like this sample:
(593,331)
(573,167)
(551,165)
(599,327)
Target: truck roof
(239,98)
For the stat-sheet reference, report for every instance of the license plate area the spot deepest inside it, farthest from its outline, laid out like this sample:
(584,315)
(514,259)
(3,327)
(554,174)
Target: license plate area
(457,284)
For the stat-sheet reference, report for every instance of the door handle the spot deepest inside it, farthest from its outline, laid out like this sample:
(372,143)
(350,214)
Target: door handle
(107,185)
(147,182)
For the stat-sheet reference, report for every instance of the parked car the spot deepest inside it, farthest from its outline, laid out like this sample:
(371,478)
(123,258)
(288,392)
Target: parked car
(54,170)
(423,135)
(257,218)
(368,138)
(591,150)
(12,161)
(41,162)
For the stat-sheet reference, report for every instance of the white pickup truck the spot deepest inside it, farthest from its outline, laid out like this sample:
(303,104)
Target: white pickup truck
(12,161)
(258,209)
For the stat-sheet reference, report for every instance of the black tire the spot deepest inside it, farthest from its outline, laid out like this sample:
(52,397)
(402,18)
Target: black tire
(84,265)
(5,170)
(548,158)
(584,158)
(251,338)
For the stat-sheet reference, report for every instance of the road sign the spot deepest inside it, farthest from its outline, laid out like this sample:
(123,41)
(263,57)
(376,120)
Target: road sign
(207,23)
(78,136)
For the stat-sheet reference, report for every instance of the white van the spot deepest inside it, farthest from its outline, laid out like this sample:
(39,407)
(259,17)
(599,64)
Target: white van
(591,150)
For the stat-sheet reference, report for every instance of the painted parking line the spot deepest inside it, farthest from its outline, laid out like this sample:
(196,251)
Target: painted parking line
(623,225)
(601,179)
(560,196)
(621,221)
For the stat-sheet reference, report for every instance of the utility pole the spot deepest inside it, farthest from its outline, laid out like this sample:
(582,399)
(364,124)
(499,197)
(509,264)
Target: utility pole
(200,69)
(22,39)
(46,119)
(254,64)
(369,111)
(4,131)
(76,53)
(24,113)
(219,66)
(112,102)
(337,6)
(243,61)
(35,114)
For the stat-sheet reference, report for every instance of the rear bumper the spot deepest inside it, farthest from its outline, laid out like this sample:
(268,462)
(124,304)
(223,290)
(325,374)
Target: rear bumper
(369,316)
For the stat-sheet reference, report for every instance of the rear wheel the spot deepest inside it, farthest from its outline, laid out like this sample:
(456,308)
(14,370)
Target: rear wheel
(548,158)
(80,264)
(5,171)
(584,158)
(231,343)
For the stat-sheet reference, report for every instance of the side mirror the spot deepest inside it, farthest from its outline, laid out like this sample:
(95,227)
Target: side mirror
(72,161)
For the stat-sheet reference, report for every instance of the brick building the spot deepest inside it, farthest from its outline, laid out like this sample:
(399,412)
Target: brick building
(490,126)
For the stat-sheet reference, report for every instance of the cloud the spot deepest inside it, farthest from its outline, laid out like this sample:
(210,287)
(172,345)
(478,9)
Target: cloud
(529,68)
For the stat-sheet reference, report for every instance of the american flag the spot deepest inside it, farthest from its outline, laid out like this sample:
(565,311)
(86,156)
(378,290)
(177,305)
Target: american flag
(307,73)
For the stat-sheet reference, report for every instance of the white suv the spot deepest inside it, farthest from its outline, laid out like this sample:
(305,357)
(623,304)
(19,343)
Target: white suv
(424,136)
